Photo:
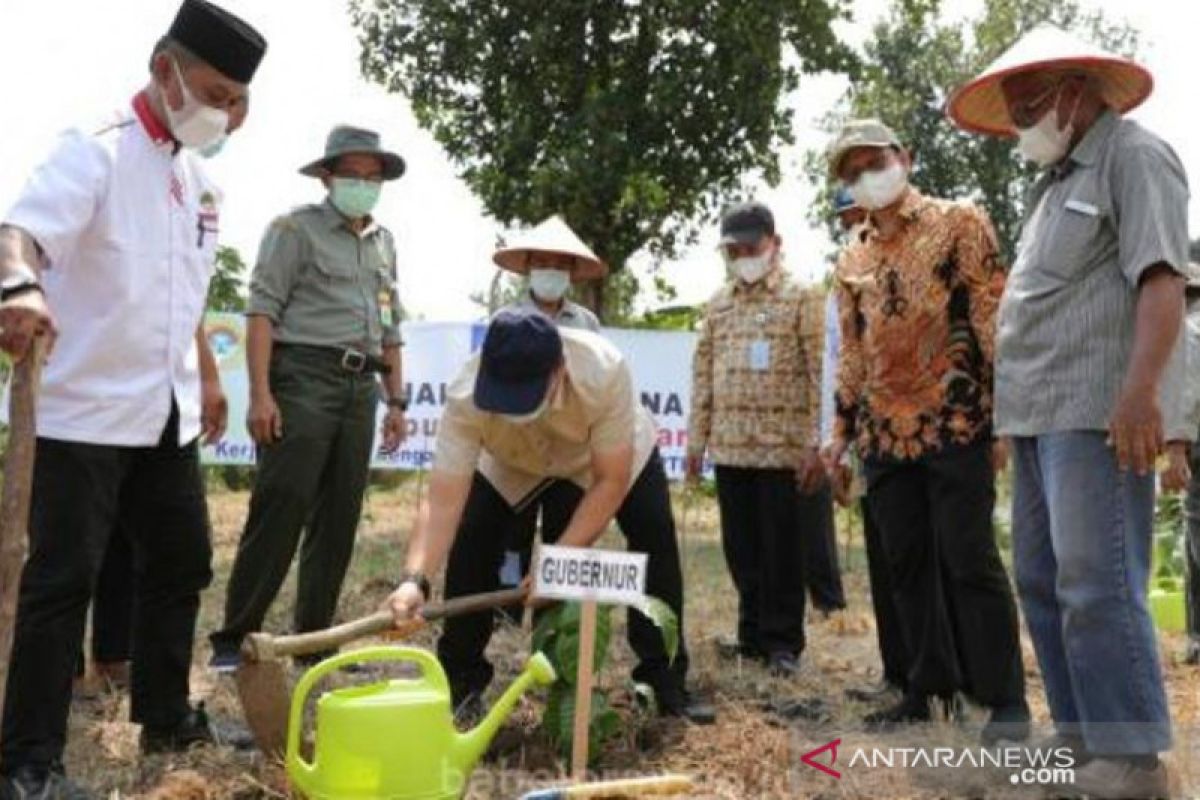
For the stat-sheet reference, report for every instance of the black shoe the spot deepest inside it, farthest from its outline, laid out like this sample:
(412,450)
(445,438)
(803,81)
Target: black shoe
(193,730)
(876,693)
(783,665)
(911,709)
(683,704)
(29,783)
(1006,724)
(1191,656)
(225,661)
(470,711)
(731,649)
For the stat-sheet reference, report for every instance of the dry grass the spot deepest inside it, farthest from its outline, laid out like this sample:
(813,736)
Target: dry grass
(748,754)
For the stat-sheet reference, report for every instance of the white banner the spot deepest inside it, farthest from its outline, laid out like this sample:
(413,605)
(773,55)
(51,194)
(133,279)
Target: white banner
(584,573)
(434,352)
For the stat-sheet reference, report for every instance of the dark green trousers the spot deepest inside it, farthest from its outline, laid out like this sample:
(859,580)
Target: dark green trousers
(312,482)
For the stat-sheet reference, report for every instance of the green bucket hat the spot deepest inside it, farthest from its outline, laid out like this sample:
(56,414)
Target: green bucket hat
(347,140)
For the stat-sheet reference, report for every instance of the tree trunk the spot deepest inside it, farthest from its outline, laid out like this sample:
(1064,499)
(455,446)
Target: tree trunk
(14,501)
(592,296)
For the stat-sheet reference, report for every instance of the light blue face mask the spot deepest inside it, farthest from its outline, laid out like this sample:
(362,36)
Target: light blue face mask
(216,147)
(354,197)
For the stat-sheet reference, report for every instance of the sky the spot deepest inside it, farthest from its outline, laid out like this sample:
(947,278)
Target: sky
(65,62)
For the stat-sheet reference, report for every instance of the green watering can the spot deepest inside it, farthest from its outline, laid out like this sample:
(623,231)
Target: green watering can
(394,739)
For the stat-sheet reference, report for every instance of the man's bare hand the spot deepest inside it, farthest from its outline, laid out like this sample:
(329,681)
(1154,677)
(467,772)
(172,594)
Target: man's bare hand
(1135,430)
(393,431)
(214,411)
(832,455)
(693,467)
(264,420)
(842,480)
(23,318)
(406,603)
(1000,455)
(810,474)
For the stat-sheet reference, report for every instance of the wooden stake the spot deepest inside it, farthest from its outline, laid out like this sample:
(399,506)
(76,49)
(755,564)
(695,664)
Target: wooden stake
(583,691)
(14,502)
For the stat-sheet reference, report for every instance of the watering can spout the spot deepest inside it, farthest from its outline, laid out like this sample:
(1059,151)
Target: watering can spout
(472,744)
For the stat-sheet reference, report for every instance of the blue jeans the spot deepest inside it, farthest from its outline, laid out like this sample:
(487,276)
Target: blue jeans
(1082,532)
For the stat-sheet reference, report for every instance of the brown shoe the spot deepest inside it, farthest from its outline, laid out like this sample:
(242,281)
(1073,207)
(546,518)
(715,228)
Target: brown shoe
(1117,778)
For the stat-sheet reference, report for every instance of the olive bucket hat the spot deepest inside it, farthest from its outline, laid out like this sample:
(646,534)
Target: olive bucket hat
(347,140)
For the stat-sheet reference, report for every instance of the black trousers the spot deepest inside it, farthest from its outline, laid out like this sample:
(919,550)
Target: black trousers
(888,630)
(81,493)
(765,556)
(818,532)
(646,521)
(554,506)
(112,605)
(935,517)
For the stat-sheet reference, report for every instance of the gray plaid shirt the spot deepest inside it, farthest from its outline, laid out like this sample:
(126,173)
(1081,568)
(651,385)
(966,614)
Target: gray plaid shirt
(1115,207)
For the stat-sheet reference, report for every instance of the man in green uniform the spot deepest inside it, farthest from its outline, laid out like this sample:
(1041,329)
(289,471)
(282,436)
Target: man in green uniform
(323,322)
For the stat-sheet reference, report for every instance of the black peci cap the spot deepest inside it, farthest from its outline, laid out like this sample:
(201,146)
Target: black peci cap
(520,353)
(747,223)
(225,42)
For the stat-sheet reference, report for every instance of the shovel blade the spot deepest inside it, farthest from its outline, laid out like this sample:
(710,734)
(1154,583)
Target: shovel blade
(263,691)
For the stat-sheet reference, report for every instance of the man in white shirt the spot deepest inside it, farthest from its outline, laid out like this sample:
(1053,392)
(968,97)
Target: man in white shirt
(123,220)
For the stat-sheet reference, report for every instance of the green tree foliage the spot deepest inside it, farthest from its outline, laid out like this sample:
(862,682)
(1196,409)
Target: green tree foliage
(226,291)
(634,119)
(915,58)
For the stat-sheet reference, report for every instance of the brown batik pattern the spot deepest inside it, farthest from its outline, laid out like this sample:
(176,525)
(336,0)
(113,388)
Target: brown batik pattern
(757,418)
(918,318)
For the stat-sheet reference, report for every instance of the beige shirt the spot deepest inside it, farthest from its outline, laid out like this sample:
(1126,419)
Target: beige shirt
(595,410)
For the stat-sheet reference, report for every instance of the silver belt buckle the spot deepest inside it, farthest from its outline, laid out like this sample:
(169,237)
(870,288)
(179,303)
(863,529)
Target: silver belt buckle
(354,361)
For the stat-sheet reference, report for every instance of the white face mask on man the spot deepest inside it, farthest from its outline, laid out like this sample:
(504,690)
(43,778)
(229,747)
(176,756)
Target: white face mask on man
(196,125)
(548,284)
(881,188)
(751,269)
(1044,143)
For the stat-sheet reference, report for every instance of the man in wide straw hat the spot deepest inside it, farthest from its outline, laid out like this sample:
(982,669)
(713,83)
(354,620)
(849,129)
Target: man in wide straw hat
(553,258)
(323,350)
(1087,385)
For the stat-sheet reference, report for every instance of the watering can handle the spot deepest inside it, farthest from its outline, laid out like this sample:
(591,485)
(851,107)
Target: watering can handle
(431,675)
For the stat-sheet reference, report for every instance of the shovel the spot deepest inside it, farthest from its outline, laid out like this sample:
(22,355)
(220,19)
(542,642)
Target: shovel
(262,684)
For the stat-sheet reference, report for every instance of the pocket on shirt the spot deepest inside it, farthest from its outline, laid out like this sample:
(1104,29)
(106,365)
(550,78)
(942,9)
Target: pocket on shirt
(1071,245)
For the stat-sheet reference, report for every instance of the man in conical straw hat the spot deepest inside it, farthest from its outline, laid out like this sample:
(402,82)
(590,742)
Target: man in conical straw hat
(1088,376)
(553,258)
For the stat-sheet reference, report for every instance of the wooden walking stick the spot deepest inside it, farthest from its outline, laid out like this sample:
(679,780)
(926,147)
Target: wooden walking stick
(14,502)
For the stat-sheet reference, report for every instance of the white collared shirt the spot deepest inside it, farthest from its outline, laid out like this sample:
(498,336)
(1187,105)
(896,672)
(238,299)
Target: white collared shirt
(129,230)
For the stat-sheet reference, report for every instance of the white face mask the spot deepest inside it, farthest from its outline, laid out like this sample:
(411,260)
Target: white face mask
(1044,143)
(750,269)
(549,284)
(196,125)
(876,190)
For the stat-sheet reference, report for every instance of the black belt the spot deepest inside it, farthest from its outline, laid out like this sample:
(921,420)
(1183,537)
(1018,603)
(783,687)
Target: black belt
(346,359)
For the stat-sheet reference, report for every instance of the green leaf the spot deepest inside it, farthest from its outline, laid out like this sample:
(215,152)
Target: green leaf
(558,720)
(667,622)
(565,643)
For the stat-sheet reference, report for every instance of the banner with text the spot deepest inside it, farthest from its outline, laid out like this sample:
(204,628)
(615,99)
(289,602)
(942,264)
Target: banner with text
(433,354)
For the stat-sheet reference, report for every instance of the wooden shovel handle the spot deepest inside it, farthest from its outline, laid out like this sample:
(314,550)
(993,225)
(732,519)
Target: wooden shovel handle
(264,647)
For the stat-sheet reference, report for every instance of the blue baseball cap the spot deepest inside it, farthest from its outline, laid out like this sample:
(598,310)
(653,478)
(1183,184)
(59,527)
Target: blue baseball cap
(520,352)
(843,201)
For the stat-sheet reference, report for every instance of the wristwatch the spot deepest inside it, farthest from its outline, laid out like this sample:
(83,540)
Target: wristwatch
(420,580)
(19,284)
(397,402)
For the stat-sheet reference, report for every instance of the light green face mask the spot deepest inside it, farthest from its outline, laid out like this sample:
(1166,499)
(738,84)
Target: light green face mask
(354,197)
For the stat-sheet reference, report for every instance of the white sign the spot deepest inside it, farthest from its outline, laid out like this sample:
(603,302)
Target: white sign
(661,363)
(582,573)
